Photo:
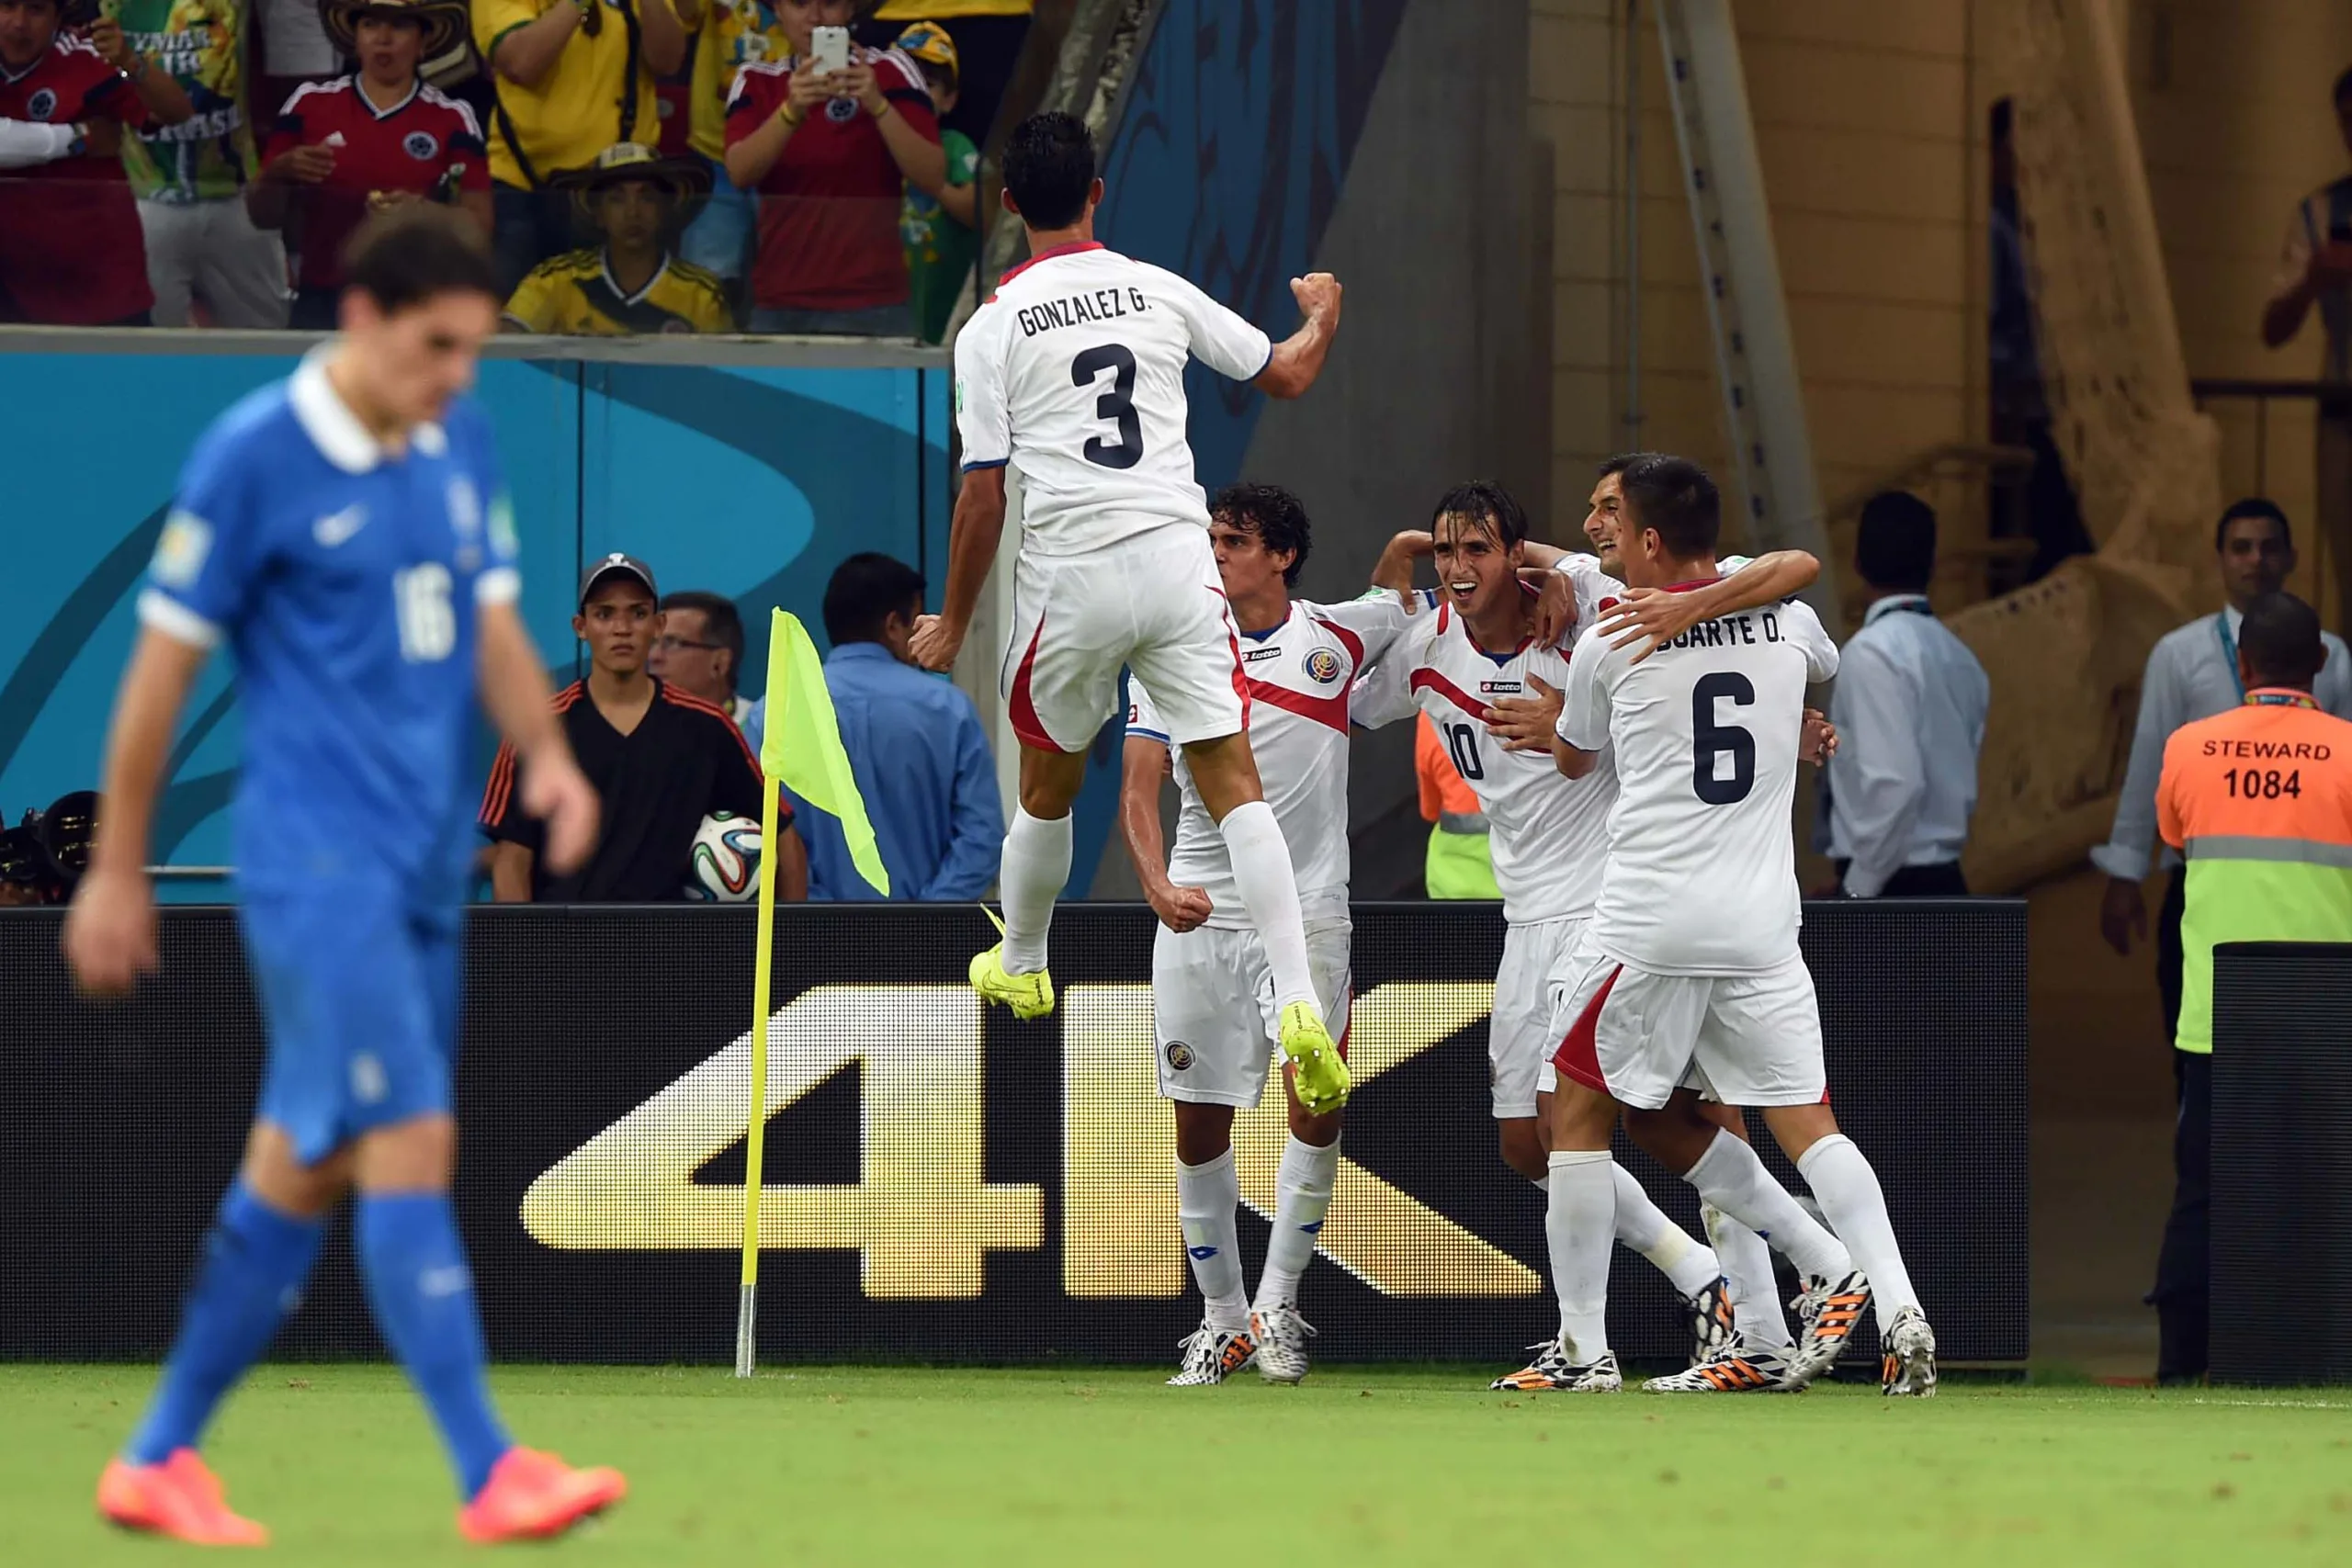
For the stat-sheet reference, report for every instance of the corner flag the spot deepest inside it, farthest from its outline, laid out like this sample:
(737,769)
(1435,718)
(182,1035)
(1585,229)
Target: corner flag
(801,748)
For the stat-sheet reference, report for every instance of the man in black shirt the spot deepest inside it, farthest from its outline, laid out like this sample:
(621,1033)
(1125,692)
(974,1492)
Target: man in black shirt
(661,760)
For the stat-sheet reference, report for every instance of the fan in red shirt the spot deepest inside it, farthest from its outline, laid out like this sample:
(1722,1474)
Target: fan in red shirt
(71,250)
(831,156)
(341,149)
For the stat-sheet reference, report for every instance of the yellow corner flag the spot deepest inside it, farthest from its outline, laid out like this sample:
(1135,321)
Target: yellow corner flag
(801,750)
(802,747)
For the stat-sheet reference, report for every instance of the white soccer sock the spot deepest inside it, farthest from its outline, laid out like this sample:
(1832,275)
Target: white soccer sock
(1730,1176)
(1848,1191)
(1747,1264)
(1037,863)
(1643,1226)
(1303,1196)
(1579,1222)
(1268,889)
(1206,1196)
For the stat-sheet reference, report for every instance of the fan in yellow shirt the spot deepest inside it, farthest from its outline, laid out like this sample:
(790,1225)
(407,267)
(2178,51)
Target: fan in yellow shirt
(631,284)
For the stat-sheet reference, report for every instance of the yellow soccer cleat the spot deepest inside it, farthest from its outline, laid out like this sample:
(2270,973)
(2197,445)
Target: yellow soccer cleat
(1029,996)
(1322,1081)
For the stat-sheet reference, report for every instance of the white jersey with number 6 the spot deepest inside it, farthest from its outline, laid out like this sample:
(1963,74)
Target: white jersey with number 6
(1073,372)
(1702,874)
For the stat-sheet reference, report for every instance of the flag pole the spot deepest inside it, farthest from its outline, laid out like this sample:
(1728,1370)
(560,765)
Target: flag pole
(762,966)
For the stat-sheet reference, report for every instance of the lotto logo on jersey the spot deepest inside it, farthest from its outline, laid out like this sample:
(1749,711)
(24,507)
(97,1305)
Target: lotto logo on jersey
(1322,666)
(1499,688)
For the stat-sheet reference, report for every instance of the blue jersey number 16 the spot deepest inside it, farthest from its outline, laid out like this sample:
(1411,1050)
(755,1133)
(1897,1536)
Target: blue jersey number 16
(421,605)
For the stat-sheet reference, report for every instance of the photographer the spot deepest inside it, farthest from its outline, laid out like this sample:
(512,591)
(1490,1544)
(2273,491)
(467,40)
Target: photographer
(355,145)
(829,151)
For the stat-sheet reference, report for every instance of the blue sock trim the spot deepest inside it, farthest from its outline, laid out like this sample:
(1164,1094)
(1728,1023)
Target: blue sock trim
(248,1277)
(421,1293)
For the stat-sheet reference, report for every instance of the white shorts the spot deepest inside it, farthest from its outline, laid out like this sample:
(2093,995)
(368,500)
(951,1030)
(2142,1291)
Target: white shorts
(1738,1039)
(1153,602)
(1519,1031)
(1212,1008)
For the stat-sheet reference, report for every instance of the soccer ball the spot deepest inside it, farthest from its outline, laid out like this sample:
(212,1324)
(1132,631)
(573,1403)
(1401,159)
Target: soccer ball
(725,860)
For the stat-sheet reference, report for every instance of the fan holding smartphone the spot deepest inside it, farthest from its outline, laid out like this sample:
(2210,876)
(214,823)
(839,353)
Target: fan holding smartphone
(830,139)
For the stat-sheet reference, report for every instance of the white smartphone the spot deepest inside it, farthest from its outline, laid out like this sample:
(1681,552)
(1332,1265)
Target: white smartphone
(829,50)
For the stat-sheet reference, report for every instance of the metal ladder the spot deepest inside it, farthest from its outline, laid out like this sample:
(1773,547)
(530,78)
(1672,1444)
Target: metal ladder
(1755,370)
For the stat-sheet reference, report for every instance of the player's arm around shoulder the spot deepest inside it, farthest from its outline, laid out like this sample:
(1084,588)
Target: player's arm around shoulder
(1582,731)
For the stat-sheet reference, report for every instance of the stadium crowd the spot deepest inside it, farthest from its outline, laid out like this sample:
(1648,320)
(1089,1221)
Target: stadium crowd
(803,166)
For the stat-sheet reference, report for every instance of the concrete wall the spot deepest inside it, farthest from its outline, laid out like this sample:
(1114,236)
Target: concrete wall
(2232,100)
(1439,376)
(1871,155)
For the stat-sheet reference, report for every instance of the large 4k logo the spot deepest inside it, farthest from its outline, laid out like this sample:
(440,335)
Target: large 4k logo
(923,1217)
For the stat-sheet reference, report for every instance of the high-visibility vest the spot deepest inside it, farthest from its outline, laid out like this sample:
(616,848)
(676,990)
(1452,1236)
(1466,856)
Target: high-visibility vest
(2259,801)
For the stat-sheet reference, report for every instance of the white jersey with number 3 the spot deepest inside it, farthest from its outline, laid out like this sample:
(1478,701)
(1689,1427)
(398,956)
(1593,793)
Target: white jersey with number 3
(1702,876)
(1073,372)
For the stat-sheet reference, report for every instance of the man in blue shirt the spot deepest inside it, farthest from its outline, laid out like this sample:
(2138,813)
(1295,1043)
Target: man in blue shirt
(921,758)
(347,534)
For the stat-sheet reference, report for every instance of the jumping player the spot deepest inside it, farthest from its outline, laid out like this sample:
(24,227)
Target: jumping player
(1481,648)
(1690,962)
(347,533)
(1212,991)
(1073,373)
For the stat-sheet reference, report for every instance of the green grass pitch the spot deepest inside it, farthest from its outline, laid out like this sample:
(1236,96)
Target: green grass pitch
(1104,1466)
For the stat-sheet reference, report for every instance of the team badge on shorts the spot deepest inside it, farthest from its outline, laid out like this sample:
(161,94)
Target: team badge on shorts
(1322,666)
(421,145)
(43,104)
(1180,1055)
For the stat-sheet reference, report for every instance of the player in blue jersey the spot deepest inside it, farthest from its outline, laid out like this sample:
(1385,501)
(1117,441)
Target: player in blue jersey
(347,535)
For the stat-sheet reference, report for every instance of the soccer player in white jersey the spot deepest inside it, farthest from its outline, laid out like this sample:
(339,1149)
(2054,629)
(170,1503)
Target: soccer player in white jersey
(1831,1301)
(1073,373)
(1481,648)
(1211,992)
(1690,962)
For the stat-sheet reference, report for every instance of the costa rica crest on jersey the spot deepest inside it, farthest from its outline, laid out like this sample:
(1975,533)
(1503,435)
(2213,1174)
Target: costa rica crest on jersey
(1322,666)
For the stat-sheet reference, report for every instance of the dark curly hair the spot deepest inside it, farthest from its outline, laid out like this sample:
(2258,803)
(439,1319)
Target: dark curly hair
(1273,513)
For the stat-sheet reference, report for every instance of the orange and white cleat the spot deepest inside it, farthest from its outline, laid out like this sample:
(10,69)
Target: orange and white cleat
(1830,1310)
(180,1498)
(533,1495)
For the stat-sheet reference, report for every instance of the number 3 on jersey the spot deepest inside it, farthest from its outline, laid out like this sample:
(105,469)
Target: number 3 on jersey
(1115,407)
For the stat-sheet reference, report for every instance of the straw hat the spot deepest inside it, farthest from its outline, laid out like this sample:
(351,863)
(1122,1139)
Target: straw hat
(443,21)
(686,179)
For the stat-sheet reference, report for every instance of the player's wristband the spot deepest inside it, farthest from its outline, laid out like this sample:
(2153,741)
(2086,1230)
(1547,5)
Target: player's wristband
(790,116)
(881,114)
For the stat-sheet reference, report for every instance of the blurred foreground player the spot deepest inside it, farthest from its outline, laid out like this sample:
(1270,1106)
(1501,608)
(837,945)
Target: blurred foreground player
(347,534)
(1690,961)
(1074,373)
(1211,990)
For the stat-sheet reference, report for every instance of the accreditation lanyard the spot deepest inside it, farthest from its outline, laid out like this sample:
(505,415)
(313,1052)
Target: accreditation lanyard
(2230,653)
(2280,700)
